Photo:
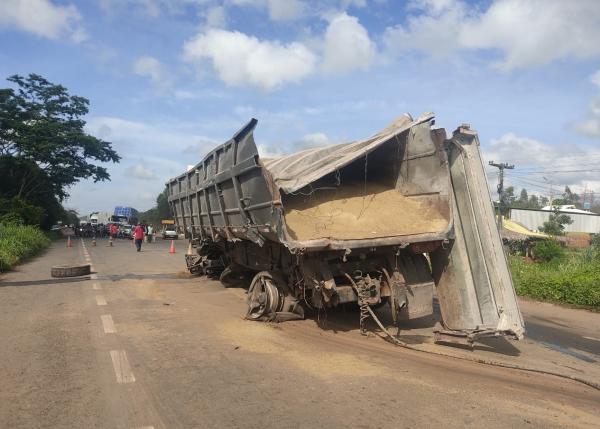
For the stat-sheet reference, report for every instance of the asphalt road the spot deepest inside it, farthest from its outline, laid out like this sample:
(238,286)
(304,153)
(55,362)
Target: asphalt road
(142,344)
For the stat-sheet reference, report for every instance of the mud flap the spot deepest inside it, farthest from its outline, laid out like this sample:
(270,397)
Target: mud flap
(473,283)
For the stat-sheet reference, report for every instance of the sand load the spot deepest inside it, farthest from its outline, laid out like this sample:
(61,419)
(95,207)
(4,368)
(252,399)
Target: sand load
(356,211)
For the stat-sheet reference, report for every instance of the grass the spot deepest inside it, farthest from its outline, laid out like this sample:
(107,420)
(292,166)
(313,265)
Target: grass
(19,242)
(573,278)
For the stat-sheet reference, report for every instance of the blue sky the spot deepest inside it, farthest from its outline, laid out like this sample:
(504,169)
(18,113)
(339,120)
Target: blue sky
(169,79)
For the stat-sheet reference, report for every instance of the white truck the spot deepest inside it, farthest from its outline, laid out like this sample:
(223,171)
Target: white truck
(99,218)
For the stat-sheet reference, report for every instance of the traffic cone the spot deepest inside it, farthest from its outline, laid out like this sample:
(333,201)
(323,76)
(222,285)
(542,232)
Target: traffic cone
(94,241)
(190,250)
(69,244)
(172,248)
(110,241)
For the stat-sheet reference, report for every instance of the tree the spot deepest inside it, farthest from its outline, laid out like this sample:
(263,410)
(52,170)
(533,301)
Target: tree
(534,202)
(555,225)
(42,137)
(509,196)
(161,211)
(570,197)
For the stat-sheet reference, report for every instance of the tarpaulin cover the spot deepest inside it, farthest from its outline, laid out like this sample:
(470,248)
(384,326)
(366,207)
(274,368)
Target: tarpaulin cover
(295,171)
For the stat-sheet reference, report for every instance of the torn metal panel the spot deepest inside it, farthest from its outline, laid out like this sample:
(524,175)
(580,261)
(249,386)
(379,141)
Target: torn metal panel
(293,172)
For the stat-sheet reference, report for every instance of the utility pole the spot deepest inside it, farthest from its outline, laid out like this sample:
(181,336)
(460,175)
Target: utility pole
(501,167)
(551,191)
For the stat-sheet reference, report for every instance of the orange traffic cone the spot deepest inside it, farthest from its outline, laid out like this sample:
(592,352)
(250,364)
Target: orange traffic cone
(172,248)
(190,250)
(69,244)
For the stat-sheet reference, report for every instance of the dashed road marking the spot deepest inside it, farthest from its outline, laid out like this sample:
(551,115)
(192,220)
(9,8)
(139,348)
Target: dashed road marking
(97,286)
(100,300)
(144,427)
(108,324)
(591,338)
(121,366)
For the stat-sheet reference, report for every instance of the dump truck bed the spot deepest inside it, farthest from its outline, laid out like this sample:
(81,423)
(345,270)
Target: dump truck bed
(385,201)
(332,196)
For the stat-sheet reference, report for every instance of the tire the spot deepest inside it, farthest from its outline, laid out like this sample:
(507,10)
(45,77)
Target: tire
(70,270)
(235,275)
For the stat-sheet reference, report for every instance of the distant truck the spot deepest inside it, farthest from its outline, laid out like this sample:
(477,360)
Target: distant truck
(392,220)
(100,218)
(125,215)
(169,230)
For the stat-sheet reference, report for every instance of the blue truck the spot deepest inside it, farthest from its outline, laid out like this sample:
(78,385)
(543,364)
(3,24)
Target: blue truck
(125,215)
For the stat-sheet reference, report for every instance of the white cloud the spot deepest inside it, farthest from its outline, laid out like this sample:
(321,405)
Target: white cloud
(590,126)
(140,171)
(347,45)
(150,67)
(595,79)
(539,164)
(241,60)
(522,151)
(355,3)
(279,10)
(306,142)
(44,18)
(216,17)
(526,33)
(285,10)
(149,8)
(313,140)
(435,32)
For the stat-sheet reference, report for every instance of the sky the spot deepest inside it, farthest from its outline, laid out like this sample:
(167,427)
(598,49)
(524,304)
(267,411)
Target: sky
(168,80)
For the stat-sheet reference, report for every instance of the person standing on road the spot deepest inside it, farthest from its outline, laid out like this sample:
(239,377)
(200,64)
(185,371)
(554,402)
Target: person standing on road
(149,233)
(114,231)
(138,236)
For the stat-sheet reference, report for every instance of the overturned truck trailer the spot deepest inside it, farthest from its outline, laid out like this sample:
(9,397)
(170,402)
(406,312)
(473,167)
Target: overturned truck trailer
(392,220)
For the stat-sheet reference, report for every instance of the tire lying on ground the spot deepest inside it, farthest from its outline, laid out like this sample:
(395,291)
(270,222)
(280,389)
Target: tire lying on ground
(70,270)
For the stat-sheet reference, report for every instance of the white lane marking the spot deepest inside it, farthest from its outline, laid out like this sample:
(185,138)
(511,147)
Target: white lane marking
(108,324)
(144,427)
(97,286)
(100,300)
(94,276)
(121,366)
(591,338)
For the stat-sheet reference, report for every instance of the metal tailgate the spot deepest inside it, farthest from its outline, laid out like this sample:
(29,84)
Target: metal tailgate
(474,285)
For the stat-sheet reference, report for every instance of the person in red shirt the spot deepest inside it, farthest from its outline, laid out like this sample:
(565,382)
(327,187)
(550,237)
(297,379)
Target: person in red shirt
(114,230)
(138,236)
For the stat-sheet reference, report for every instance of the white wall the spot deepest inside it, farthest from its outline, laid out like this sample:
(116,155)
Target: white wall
(533,219)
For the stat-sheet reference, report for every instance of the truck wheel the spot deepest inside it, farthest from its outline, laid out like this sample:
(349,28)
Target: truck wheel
(70,270)
(264,297)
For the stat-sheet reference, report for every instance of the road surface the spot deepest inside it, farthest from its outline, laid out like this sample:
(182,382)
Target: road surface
(142,344)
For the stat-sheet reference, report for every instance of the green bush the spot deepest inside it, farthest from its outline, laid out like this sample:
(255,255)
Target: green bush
(574,281)
(595,241)
(547,250)
(18,242)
